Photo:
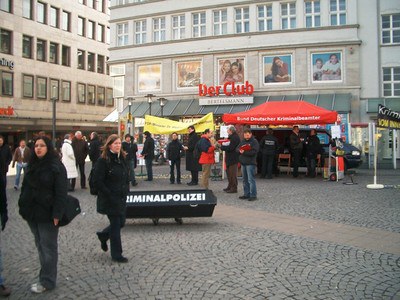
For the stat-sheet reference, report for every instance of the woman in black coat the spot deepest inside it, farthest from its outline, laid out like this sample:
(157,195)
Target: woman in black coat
(41,204)
(191,164)
(112,182)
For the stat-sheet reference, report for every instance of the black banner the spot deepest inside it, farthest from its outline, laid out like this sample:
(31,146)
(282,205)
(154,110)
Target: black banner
(388,118)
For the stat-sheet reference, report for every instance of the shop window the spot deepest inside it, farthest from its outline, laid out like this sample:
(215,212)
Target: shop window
(100,95)
(53,53)
(27,9)
(27,43)
(91,62)
(91,94)
(41,88)
(5,41)
(81,59)
(41,11)
(66,56)
(109,97)
(81,92)
(6,5)
(66,19)
(7,83)
(66,91)
(54,89)
(41,50)
(27,88)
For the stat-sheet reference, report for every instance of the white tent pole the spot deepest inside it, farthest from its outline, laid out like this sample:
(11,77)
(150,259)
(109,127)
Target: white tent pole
(375,186)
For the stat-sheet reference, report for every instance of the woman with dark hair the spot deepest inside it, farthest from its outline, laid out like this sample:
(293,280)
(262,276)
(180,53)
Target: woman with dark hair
(279,71)
(112,182)
(41,204)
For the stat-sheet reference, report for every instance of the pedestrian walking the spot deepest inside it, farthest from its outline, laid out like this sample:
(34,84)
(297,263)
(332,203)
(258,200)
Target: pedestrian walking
(174,151)
(207,157)
(192,164)
(148,154)
(268,148)
(6,157)
(130,148)
(248,149)
(68,160)
(41,204)
(296,149)
(81,150)
(94,148)
(231,159)
(21,156)
(313,148)
(112,182)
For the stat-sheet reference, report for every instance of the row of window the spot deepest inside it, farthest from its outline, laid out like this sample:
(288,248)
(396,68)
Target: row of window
(57,18)
(312,12)
(50,88)
(99,5)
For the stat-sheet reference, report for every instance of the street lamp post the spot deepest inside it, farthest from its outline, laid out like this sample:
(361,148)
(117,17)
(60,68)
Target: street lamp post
(53,99)
(150,100)
(162,104)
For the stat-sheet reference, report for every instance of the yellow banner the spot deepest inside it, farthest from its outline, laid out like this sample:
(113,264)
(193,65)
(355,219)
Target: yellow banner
(156,125)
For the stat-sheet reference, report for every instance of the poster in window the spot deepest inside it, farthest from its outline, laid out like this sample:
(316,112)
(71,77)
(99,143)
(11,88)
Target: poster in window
(149,78)
(277,69)
(326,66)
(188,74)
(231,70)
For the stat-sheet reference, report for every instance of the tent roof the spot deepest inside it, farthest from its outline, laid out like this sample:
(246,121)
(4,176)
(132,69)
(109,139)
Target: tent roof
(283,113)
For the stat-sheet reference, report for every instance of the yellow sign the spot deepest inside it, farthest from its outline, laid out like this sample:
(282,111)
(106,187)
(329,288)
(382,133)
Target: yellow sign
(156,125)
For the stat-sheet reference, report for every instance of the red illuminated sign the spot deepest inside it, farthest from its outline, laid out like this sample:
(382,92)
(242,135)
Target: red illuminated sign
(9,111)
(229,89)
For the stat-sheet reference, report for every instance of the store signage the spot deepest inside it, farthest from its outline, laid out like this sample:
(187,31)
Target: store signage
(229,89)
(226,100)
(388,118)
(6,63)
(9,111)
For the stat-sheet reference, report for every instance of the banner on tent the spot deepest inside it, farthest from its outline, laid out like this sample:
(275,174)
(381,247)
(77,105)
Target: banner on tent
(157,125)
(388,118)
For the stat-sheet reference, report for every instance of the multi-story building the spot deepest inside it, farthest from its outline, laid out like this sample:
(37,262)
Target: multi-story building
(54,51)
(343,55)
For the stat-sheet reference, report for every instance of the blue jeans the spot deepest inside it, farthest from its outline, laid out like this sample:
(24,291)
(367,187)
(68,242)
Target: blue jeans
(20,167)
(149,168)
(249,182)
(132,173)
(46,235)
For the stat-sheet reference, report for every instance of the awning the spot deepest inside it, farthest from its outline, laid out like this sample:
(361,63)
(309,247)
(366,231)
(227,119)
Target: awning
(191,107)
(392,103)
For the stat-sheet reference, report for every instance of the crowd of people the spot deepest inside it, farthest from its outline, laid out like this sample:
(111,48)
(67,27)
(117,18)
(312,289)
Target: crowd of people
(50,173)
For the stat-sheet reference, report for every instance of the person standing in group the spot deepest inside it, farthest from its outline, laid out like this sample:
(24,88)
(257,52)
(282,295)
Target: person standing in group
(112,182)
(313,148)
(268,147)
(6,157)
(42,203)
(68,159)
(248,149)
(207,157)
(231,159)
(130,149)
(296,148)
(148,154)
(192,164)
(81,150)
(94,148)
(174,150)
(4,291)
(21,156)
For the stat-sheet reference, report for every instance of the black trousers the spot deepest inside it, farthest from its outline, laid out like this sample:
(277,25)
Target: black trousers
(113,232)
(81,168)
(296,155)
(177,163)
(267,165)
(195,177)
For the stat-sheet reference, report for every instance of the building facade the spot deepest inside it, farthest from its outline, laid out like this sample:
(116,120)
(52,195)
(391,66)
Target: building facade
(54,51)
(342,55)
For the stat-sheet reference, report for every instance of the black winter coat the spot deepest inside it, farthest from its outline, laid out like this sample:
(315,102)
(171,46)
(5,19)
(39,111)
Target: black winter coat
(112,182)
(191,163)
(148,148)
(313,146)
(232,156)
(130,149)
(6,157)
(174,149)
(269,144)
(249,157)
(94,150)
(44,191)
(81,150)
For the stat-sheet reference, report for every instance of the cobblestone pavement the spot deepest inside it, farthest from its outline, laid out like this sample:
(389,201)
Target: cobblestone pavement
(215,258)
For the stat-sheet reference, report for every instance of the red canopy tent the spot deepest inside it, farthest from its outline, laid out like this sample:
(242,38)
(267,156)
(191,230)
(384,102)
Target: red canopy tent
(283,113)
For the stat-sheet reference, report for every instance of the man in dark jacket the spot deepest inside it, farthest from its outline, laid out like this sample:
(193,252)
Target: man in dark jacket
(231,159)
(130,149)
(313,148)
(174,149)
(192,164)
(148,154)
(94,148)
(81,150)
(248,149)
(6,157)
(296,148)
(268,147)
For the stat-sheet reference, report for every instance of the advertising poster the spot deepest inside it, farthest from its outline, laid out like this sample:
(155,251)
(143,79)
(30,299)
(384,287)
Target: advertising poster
(326,66)
(231,70)
(277,69)
(149,78)
(188,74)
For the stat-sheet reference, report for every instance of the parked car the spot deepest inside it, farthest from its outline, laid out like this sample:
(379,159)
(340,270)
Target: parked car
(352,155)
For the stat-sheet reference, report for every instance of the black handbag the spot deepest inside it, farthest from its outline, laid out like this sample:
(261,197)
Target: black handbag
(72,209)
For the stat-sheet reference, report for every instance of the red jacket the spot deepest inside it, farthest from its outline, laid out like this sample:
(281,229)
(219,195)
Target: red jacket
(207,151)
